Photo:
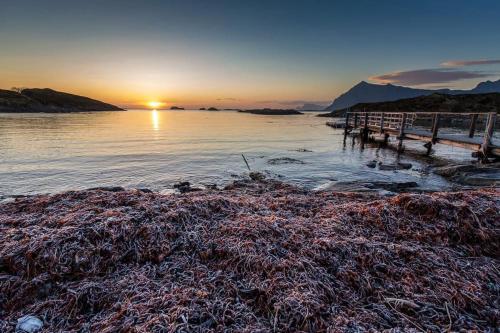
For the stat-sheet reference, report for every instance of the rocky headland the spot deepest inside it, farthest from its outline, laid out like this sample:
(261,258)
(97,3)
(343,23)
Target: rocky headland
(48,100)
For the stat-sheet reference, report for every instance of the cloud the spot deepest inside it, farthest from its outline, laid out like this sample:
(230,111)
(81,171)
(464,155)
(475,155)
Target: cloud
(428,76)
(462,63)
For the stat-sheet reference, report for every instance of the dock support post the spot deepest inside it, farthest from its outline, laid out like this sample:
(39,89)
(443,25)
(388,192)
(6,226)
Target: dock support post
(365,131)
(401,133)
(382,123)
(346,126)
(435,129)
(488,134)
(472,127)
(356,120)
(386,139)
(346,123)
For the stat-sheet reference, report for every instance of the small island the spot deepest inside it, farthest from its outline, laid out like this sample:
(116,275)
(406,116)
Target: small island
(272,112)
(176,108)
(212,109)
(47,100)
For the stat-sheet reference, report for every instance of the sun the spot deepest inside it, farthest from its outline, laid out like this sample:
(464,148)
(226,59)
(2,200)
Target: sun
(155,104)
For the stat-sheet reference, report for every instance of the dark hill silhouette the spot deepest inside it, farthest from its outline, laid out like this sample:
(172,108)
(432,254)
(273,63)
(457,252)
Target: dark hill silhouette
(365,92)
(48,100)
(436,102)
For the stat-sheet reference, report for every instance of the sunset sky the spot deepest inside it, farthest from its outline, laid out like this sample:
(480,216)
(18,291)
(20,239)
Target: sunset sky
(244,53)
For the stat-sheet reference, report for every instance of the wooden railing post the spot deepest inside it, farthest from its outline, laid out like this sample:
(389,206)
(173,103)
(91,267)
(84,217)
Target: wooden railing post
(488,133)
(402,133)
(355,120)
(472,127)
(365,131)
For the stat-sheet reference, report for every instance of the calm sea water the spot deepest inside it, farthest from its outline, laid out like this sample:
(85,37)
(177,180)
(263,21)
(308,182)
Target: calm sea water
(47,153)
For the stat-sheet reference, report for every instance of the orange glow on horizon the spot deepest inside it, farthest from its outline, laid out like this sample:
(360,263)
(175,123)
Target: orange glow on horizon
(155,104)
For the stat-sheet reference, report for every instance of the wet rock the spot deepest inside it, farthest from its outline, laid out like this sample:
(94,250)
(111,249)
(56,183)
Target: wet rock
(404,165)
(472,174)
(344,187)
(108,188)
(145,190)
(452,170)
(284,160)
(185,187)
(392,186)
(383,188)
(257,176)
(371,164)
(397,166)
(182,184)
(29,324)
(481,179)
(385,167)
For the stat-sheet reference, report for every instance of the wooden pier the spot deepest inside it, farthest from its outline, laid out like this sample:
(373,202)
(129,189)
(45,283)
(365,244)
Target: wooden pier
(401,125)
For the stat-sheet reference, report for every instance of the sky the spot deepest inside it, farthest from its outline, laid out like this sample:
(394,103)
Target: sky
(244,53)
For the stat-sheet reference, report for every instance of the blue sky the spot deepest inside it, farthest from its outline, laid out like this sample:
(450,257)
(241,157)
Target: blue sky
(244,52)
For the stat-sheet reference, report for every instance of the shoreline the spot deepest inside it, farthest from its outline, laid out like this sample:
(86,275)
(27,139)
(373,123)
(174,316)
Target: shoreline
(256,255)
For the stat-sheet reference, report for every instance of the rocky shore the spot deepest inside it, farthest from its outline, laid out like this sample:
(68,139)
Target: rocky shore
(257,256)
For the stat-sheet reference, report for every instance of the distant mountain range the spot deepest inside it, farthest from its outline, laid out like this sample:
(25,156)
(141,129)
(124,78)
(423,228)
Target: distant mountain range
(48,100)
(365,92)
(311,107)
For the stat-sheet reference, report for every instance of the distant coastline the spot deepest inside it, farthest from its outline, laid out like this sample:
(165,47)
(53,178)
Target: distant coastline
(273,112)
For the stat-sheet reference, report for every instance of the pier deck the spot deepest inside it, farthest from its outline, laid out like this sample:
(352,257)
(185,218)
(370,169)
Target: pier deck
(400,125)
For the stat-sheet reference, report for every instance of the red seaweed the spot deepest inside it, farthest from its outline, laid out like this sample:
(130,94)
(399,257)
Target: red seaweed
(254,257)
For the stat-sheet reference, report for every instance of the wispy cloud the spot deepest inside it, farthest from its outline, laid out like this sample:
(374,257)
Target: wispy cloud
(462,63)
(428,76)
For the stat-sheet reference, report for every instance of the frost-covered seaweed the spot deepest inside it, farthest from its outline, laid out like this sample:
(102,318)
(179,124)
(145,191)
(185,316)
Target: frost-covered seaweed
(258,256)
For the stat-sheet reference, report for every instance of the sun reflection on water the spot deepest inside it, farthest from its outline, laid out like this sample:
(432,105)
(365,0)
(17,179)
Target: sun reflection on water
(155,120)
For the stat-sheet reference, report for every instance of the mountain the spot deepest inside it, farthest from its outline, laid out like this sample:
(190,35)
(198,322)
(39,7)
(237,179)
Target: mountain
(487,87)
(311,107)
(48,100)
(365,92)
(436,102)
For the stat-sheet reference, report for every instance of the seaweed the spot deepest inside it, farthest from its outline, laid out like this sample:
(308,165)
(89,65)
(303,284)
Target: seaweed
(257,256)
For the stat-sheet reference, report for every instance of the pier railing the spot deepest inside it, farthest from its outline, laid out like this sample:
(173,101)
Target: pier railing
(402,123)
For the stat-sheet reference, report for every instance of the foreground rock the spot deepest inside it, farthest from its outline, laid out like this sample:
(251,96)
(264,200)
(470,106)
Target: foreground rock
(48,100)
(258,256)
(472,174)
(374,186)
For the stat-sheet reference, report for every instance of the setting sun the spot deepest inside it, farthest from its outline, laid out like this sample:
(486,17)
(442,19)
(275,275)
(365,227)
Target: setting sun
(154,104)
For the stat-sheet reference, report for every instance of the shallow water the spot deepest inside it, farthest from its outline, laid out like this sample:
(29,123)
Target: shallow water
(41,153)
